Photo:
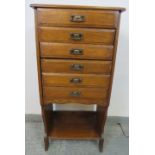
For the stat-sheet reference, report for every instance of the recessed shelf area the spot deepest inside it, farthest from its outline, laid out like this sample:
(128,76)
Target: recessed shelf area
(72,125)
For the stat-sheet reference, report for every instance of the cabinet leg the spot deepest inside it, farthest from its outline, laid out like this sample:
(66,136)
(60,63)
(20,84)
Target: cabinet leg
(101,141)
(46,143)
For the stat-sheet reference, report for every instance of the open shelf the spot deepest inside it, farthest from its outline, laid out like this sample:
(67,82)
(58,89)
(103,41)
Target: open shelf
(72,125)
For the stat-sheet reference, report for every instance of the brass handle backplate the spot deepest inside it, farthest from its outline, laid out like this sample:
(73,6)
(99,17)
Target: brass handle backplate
(76,51)
(77,67)
(77,18)
(75,94)
(76,80)
(76,36)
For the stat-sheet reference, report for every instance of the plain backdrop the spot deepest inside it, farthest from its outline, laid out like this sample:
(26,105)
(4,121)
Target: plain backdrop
(119,104)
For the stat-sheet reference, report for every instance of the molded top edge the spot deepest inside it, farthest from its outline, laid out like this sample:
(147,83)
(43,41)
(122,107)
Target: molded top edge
(121,9)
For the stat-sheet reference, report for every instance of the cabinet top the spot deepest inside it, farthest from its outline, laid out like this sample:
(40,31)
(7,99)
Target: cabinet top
(121,9)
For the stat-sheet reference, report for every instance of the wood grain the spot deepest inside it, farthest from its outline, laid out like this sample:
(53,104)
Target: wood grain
(84,76)
(74,125)
(45,116)
(92,18)
(102,114)
(69,66)
(87,80)
(63,50)
(62,95)
(57,34)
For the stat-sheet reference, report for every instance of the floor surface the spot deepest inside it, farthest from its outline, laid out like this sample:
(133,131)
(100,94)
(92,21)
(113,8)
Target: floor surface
(115,136)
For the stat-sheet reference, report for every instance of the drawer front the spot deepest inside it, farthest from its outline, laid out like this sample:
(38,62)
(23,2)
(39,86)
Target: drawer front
(78,80)
(74,95)
(76,35)
(76,66)
(74,17)
(76,51)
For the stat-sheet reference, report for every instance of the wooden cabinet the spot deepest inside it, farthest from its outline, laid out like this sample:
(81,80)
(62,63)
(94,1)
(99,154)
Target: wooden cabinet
(76,51)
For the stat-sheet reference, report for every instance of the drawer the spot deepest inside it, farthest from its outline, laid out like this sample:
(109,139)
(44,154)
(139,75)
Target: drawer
(74,95)
(76,51)
(76,35)
(72,80)
(76,66)
(74,17)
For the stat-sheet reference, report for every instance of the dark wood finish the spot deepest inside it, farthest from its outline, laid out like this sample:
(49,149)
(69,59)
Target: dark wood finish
(63,35)
(101,118)
(73,125)
(91,18)
(63,50)
(76,66)
(46,143)
(75,95)
(85,80)
(101,141)
(76,51)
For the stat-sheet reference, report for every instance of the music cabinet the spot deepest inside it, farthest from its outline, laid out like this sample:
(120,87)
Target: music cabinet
(76,50)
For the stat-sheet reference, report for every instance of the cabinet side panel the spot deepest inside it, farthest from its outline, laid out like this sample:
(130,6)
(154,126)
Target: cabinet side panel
(45,114)
(38,58)
(114,57)
(102,112)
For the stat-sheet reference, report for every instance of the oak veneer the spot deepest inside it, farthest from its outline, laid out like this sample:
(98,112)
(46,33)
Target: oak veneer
(63,35)
(72,80)
(79,95)
(76,66)
(92,18)
(76,51)
(64,125)
(63,50)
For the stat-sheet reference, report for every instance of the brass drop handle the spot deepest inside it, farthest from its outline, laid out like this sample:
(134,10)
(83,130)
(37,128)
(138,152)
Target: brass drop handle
(75,94)
(76,36)
(76,80)
(77,18)
(77,67)
(76,51)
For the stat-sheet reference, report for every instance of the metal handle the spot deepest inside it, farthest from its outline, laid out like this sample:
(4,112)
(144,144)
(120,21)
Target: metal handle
(76,51)
(77,67)
(75,80)
(75,94)
(77,18)
(76,36)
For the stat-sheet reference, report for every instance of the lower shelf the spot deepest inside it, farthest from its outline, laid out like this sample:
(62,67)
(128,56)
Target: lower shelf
(72,125)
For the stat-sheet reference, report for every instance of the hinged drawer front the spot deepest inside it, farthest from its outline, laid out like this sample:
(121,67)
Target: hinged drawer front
(82,18)
(76,66)
(76,51)
(74,95)
(76,35)
(78,80)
